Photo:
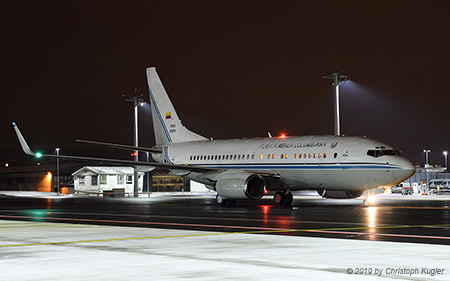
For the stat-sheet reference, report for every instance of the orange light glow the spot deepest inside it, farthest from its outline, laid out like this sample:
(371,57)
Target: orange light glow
(282,136)
(46,183)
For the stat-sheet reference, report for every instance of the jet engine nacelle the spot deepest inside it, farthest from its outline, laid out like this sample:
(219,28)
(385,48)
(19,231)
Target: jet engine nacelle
(240,185)
(340,194)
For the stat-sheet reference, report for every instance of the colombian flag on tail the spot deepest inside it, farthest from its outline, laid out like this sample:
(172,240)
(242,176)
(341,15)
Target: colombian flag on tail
(168,115)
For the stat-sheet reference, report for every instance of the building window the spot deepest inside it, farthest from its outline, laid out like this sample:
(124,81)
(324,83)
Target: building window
(81,181)
(94,180)
(103,179)
(129,179)
(120,179)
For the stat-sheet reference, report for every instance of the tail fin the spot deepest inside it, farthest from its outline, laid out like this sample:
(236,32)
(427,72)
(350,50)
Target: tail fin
(166,124)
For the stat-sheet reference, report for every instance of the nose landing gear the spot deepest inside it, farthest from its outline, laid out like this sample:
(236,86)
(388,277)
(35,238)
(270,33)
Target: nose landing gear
(369,201)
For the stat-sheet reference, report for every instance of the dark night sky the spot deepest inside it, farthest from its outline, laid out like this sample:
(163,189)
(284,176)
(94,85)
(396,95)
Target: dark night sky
(232,69)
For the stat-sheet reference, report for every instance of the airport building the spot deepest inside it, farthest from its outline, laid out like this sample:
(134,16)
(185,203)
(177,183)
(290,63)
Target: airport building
(76,177)
(103,179)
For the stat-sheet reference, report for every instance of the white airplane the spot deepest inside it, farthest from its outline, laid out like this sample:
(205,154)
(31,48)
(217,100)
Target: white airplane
(334,166)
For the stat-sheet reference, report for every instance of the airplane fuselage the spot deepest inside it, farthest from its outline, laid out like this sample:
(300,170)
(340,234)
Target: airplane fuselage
(307,162)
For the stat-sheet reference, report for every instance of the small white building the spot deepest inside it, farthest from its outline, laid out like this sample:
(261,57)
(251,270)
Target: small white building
(95,179)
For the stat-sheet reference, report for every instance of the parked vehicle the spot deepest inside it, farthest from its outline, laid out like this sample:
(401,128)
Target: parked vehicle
(403,189)
(439,185)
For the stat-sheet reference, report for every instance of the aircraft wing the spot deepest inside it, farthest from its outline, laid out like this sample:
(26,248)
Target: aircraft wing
(122,146)
(154,165)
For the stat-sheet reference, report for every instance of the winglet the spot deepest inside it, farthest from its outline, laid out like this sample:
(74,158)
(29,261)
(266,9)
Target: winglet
(22,141)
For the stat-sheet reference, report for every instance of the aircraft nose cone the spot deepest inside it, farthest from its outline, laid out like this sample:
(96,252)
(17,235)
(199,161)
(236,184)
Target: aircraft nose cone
(406,170)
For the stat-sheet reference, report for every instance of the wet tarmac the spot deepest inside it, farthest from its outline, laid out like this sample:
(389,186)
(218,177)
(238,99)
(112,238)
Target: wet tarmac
(396,218)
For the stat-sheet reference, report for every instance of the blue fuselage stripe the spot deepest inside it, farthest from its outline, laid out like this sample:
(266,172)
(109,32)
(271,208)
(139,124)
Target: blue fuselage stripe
(368,166)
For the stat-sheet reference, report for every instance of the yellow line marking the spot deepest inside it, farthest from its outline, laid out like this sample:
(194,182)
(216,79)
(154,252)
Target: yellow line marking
(140,238)
(223,233)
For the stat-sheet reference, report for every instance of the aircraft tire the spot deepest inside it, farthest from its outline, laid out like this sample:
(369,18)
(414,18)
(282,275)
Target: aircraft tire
(222,201)
(230,202)
(288,199)
(279,198)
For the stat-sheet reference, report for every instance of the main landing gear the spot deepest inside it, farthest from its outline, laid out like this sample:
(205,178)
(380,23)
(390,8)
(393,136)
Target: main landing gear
(283,198)
(224,202)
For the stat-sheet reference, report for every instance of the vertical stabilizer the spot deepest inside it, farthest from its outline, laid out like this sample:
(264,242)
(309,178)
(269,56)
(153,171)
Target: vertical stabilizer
(166,124)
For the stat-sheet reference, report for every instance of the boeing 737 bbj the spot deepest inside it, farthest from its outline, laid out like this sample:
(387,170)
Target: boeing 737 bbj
(335,166)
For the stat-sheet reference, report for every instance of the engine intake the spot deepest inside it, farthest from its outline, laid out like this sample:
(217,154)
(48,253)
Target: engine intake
(240,185)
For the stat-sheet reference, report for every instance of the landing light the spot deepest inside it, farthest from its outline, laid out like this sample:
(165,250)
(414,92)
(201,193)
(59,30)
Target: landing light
(370,200)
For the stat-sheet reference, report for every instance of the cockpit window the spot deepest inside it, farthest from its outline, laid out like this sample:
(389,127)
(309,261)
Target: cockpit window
(382,152)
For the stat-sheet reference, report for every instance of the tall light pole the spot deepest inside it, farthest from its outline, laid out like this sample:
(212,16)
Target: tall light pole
(427,166)
(338,79)
(57,170)
(446,165)
(137,101)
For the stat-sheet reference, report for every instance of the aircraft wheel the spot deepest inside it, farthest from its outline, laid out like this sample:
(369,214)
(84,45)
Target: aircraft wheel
(288,199)
(279,198)
(222,201)
(230,202)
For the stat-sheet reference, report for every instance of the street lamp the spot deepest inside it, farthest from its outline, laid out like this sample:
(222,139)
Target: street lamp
(338,80)
(446,165)
(137,101)
(427,166)
(57,170)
